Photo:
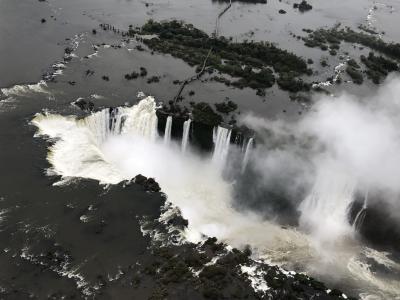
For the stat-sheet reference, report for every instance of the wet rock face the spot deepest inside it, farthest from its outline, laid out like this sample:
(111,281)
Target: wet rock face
(387,234)
(208,270)
(149,184)
(84,105)
(177,269)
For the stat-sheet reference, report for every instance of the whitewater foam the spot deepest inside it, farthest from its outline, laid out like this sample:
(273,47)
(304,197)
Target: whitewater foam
(113,145)
(21,90)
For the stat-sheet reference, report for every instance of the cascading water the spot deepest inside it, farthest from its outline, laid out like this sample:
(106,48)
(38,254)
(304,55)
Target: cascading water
(139,119)
(247,153)
(324,212)
(359,219)
(167,132)
(214,135)
(222,140)
(117,144)
(185,136)
(78,151)
(91,148)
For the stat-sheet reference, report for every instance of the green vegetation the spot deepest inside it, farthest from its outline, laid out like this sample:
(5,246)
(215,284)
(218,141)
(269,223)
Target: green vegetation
(355,75)
(255,64)
(303,6)
(290,83)
(143,71)
(332,38)
(378,67)
(367,29)
(226,107)
(209,271)
(203,113)
(352,63)
(246,1)
(131,76)
(153,79)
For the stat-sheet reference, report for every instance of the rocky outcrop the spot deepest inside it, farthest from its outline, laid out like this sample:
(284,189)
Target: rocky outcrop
(149,184)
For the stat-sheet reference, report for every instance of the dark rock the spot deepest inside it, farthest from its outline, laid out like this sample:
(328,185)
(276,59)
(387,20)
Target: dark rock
(153,79)
(178,221)
(84,105)
(89,72)
(131,76)
(68,50)
(303,6)
(139,48)
(149,184)
(143,71)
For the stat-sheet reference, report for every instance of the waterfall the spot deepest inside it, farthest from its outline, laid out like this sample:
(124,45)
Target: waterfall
(140,119)
(222,138)
(359,219)
(214,135)
(78,150)
(167,132)
(324,212)
(246,154)
(104,123)
(185,136)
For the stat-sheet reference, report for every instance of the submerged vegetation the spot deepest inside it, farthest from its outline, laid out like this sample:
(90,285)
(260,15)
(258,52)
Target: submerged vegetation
(256,65)
(226,107)
(332,38)
(303,6)
(245,1)
(355,75)
(131,76)
(376,67)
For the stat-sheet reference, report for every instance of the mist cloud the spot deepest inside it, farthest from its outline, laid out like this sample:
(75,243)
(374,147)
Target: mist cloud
(344,145)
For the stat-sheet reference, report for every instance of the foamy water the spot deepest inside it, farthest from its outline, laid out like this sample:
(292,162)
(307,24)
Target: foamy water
(111,146)
(21,90)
